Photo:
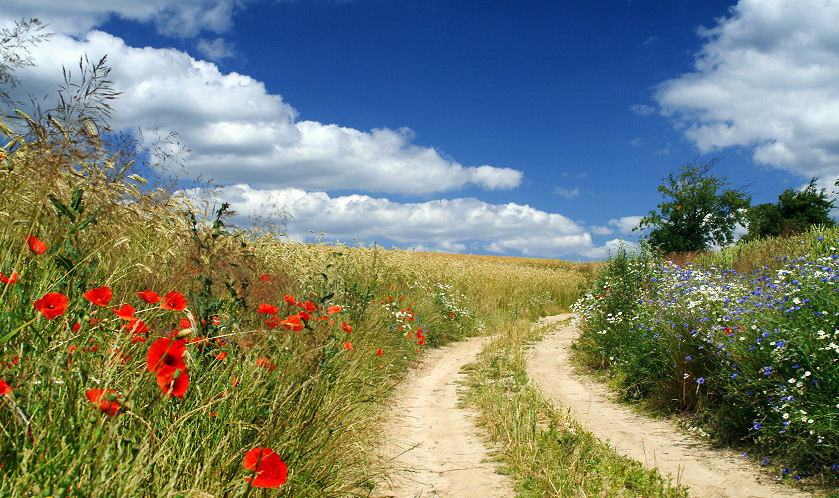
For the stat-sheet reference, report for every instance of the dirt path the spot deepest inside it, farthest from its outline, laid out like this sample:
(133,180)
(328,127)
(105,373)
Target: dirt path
(438,449)
(655,443)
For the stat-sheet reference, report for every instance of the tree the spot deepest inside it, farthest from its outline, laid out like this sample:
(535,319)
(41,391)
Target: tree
(795,212)
(699,210)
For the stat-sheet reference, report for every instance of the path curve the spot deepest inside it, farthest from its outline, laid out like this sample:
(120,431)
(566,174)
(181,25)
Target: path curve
(655,443)
(436,447)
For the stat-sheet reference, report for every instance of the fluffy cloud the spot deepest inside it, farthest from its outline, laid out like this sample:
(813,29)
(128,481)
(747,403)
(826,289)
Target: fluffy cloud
(179,18)
(625,224)
(450,225)
(238,132)
(766,79)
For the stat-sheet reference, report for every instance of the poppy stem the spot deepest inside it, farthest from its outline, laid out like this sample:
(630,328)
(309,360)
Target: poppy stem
(6,338)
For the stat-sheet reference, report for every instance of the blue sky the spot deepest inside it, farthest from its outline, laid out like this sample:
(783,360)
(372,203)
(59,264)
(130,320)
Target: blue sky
(529,127)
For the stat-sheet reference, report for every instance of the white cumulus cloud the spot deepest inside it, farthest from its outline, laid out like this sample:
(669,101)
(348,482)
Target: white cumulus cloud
(625,224)
(450,225)
(239,132)
(765,79)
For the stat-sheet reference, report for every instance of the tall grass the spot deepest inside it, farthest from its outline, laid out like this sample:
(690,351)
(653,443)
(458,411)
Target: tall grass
(310,395)
(750,354)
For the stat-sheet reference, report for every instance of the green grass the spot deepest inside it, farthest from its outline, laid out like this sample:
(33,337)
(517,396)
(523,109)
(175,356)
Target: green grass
(313,396)
(750,355)
(544,450)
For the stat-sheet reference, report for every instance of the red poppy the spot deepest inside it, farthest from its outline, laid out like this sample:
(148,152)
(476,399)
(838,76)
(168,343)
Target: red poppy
(166,355)
(216,320)
(14,277)
(149,296)
(379,352)
(5,388)
(289,300)
(265,277)
(421,341)
(105,400)
(270,470)
(126,312)
(333,309)
(184,324)
(294,323)
(267,308)
(36,245)
(173,301)
(310,306)
(99,296)
(136,326)
(53,304)
(220,356)
(273,322)
(263,362)
(348,345)
(347,328)
(139,338)
(174,383)
(76,326)
(94,321)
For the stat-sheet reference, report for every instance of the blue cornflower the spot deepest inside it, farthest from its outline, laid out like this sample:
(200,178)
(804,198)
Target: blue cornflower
(700,380)
(757,426)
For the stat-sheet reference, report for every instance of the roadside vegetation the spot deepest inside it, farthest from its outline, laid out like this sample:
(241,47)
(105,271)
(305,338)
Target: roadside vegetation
(149,348)
(743,342)
(545,451)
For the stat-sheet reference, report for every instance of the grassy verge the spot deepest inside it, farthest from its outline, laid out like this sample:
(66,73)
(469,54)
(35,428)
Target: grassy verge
(751,355)
(545,451)
(149,349)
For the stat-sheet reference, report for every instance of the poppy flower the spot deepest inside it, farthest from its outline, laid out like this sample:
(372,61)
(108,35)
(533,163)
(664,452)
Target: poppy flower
(183,324)
(267,308)
(348,345)
(36,246)
(265,277)
(333,309)
(294,323)
(136,326)
(220,356)
(104,399)
(53,304)
(99,296)
(289,300)
(5,388)
(174,383)
(126,312)
(379,352)
(264,362)
(270,470)
(149,296)
(14,277)
(166,355)
(273,322)
(310,306)
(173,301)
(347,328)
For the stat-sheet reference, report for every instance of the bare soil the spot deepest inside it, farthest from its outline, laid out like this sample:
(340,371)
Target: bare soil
(689,461)
(434,443)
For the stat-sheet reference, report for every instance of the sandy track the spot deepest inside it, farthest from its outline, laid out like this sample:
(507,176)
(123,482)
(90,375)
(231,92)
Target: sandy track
(437,448)
(655,443)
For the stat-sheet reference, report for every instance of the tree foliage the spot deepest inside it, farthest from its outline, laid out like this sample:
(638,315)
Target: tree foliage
(795,212)
(698,210)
